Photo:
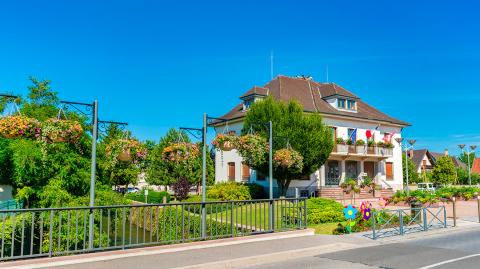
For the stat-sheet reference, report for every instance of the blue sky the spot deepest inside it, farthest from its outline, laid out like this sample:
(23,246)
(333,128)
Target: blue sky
(161,64)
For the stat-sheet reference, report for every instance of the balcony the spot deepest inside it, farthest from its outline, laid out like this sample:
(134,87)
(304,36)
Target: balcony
(351,150)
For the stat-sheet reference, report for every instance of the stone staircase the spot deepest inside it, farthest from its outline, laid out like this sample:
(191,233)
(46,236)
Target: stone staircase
(336,193)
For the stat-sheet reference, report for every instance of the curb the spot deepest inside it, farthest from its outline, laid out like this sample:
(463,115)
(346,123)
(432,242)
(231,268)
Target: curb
(146,251)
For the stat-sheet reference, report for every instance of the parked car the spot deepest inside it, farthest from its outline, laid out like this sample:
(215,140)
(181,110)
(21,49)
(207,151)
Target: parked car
(129,190)
(425,186)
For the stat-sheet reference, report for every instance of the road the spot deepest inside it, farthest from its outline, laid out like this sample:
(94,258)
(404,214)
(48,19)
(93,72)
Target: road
(450,250)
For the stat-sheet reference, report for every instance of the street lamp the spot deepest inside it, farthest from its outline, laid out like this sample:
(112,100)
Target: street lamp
(406,147)
(468,152)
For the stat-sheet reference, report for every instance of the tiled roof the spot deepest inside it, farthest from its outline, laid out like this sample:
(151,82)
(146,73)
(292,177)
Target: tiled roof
(312,95)
(417,157)
(476,166)
(419,154)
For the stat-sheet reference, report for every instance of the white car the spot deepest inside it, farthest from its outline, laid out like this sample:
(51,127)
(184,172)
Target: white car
(426,187)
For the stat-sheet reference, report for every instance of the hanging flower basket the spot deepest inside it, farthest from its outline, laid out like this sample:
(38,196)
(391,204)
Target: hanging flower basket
(179,152)
(288,159)
(127,150)
(59,130)
(253,148)
(19,127)
(225,142)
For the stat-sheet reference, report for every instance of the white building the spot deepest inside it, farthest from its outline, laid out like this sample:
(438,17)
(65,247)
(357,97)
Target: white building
(343,112)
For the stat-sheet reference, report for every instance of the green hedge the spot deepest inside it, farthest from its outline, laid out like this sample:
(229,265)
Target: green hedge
(228,191)
(321,210)
(154,197)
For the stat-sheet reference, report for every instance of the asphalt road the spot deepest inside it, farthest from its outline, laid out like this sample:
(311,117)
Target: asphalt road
(450,250)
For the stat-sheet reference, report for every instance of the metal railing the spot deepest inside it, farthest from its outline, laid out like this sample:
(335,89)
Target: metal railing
(388,223)
(27,233)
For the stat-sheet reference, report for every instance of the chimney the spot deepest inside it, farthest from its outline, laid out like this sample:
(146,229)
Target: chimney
(411,154)
(446,152)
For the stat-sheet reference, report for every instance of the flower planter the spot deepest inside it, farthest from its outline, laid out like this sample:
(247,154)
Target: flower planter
(360,149)
(371,150)
(253,148)
(225,142)
(341,148)
(125,156)
(180,152)
(19,126)
(58,130)
(352,149)
(126,150)
(288,159)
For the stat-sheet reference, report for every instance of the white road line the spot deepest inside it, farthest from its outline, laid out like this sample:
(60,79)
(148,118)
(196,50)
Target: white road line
(449,261)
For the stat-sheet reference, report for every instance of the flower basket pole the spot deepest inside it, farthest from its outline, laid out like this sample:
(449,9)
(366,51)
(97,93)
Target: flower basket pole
(92,109)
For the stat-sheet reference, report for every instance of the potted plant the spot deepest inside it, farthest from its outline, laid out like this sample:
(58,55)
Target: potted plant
(341,145)
(288,159)
(370,146)
(225,142)
(360,146)
(254,147)
(59,130)
(126,150)
(180,152)
(19,126)
(351,146)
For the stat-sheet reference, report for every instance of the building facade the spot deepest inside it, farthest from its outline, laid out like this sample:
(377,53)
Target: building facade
(348,117)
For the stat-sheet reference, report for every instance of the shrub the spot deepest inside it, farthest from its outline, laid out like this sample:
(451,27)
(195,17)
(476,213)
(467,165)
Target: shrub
(321,210)
(340,141)
(229,191)
(359,142)
(181,188)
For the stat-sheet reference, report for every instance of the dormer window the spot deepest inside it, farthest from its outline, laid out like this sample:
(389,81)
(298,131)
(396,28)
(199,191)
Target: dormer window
(341,103)
(351,105)
(247,103)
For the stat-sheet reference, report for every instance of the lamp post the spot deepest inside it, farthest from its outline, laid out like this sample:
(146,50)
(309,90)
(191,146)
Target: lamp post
(468,152)
(406,147)
(93,110)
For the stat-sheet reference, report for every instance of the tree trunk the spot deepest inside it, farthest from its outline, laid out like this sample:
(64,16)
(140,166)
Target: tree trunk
(283,185)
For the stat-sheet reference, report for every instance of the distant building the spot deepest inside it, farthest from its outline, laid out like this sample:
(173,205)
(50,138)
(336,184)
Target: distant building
(425,160)
(345,113)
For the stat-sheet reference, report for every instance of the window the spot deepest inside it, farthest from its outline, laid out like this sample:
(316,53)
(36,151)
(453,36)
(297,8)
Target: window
(245,172)
(334,133)
(247,103)
(350,132)
(341,103)
(231,171)
(389,170)
(351,104)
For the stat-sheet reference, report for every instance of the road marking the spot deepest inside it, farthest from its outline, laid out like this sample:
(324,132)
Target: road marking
(449,261)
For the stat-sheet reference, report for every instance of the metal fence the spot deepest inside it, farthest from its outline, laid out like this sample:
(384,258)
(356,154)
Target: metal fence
(27,233)
(387,223)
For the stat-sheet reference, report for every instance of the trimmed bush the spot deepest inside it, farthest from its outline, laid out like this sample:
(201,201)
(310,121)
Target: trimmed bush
(229,191)
(321,210)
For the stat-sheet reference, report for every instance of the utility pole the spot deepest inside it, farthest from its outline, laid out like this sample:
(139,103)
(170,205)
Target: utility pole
(93,171)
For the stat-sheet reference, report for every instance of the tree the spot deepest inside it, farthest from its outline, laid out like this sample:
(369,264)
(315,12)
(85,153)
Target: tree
(164,173)
(462,175)
(305,133)
(413,176)
(463,157)
(444,171)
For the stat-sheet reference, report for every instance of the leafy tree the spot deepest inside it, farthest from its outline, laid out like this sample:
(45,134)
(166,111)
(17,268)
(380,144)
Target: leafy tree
(463,157)
(305,132)
(164,173)
(6,165)
(462,175)
(42,101)
(444,171)
(413,176)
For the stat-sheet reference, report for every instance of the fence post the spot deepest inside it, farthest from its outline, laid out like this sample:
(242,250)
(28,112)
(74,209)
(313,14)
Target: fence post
(204,222)
(50,236)
(270,215)
(400,219)
(231,219)
(123,227)
(454,212)
(305,213)
(478,205)
(444,217)
(373,225)
(425,225)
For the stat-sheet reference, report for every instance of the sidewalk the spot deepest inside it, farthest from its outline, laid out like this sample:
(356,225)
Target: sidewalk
(211,254)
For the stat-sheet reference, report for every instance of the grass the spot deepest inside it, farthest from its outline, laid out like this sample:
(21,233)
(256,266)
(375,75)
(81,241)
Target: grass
(325,228)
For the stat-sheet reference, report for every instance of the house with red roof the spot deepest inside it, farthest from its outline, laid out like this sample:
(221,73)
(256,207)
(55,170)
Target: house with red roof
(345,113)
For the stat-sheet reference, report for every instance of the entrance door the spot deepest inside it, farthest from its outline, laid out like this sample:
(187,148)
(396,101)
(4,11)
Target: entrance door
(231,171)
(351,169)
(369,168)
(333,174)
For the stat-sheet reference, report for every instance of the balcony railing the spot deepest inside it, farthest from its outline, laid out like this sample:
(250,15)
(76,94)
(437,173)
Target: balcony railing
(362,150)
